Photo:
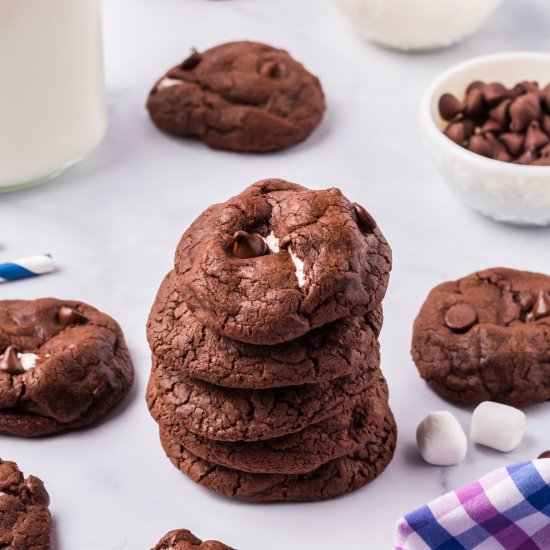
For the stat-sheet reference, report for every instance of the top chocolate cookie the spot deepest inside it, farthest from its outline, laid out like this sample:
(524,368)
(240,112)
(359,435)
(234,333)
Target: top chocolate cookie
(278,260)
(240,96)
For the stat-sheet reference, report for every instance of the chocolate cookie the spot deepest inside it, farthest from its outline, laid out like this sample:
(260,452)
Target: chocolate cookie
(335,478)
(279,260)
(229,414)
(182,539)
(487,337)
(296,453)
(25,522)
(326,353)
(63,365)
(240,96)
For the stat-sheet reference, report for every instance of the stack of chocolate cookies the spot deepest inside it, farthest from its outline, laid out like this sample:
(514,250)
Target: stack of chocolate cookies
(266,380)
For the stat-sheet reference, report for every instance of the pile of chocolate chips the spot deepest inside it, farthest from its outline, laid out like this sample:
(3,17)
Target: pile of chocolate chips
(508,124)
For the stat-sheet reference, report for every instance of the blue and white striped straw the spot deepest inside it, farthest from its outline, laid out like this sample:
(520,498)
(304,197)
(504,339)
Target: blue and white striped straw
(26,267)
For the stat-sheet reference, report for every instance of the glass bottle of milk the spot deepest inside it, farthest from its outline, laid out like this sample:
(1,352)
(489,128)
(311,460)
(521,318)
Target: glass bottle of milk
(52,93)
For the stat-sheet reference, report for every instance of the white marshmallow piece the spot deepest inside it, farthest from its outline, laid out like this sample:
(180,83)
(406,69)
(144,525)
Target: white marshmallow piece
(272,242)
(299,265)
(497,426)
(168,82)
(441,439)
(28,360)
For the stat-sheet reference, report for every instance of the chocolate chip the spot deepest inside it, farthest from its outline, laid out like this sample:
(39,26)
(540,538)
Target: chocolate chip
(545,96)
(541,307)
(508,125)
(494,92)
(545,454)
(449,106)
(517,90)
(497,149)
(500,113)
(248,245)
(542,161)
(460,317)
(476,84)
(479,145)
(535,137)
(530,86)
(192,61)
(513,142)
(364,220)
(456,132)
(523,110)
(273,68)
(10,363)
(68,316)
(528,157)
(473,104)
(491,126)
(502,155)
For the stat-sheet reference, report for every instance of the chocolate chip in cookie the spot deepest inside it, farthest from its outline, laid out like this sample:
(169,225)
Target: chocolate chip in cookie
(9,361)
(68,316)
(460,317)
(248,245)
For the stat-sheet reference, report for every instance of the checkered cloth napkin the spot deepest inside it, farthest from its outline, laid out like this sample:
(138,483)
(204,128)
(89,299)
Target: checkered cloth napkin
(508,508)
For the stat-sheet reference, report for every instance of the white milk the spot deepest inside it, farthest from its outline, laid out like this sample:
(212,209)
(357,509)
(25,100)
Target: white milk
(418,24)
(52,93)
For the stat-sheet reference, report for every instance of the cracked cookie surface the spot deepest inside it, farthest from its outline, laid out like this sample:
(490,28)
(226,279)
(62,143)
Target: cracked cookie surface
(326,353)
(487,337)
(299,452)
(240,96)
(335,478)
(324,259)
(182,539)
(63,365)
(25,521)
(231,414)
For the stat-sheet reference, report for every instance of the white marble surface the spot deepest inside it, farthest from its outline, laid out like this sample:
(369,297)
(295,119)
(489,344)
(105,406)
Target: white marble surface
(113,222)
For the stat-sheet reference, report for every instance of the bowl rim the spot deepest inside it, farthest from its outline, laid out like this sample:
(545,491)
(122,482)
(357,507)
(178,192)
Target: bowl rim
(430,125)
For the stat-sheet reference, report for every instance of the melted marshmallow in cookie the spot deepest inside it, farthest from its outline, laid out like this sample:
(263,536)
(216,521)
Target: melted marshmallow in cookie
(168,82)
(299,264)
(28,360)
(273,244)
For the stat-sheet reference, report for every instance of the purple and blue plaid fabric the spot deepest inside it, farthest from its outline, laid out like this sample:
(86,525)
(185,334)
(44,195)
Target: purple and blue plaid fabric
(508,508)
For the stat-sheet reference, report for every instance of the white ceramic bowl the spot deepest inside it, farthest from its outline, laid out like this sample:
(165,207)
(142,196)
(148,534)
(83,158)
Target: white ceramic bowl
(507,192)
(418,24)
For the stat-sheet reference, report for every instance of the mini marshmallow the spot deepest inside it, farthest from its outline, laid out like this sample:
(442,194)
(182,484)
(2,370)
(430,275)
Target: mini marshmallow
(299,265)
(272,242)
(441,440)
(498,426)
(28,360)
(168,82)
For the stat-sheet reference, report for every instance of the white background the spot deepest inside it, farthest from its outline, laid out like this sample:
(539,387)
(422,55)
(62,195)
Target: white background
(113,222)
